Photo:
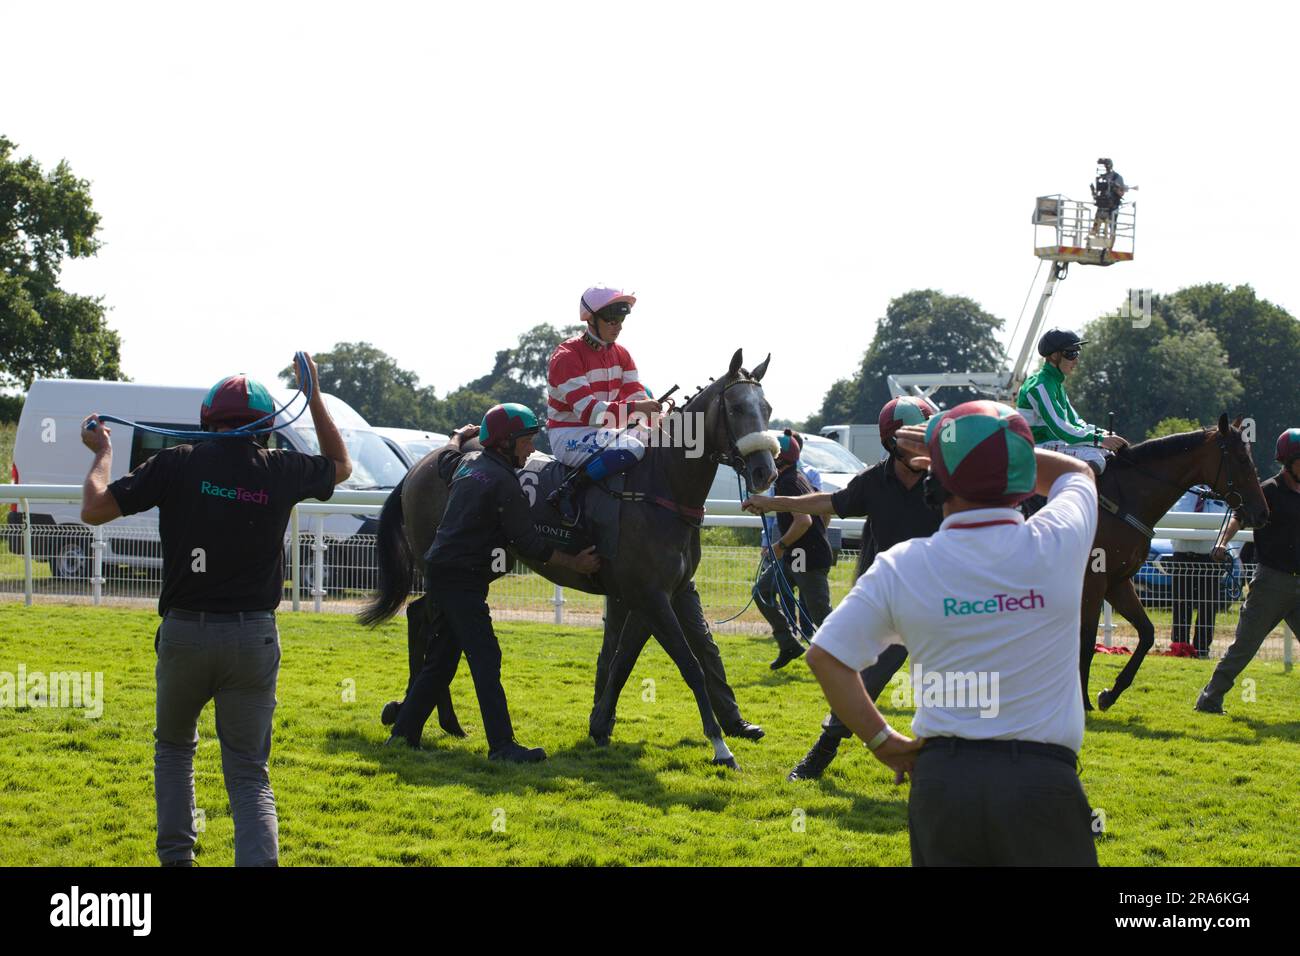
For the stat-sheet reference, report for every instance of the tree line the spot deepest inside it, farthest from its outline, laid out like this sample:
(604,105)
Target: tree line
(1205,349)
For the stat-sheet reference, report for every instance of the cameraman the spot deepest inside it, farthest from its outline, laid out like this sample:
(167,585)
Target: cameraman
(1108,193)
(994,598)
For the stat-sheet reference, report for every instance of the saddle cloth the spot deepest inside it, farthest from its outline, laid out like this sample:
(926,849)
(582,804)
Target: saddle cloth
(540,476)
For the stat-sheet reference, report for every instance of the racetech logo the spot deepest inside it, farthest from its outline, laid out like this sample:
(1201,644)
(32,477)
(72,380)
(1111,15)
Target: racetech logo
(996,604)
(235,494)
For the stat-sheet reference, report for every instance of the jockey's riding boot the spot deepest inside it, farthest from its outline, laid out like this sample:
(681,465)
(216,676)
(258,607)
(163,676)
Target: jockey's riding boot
(815,762)
(567,499)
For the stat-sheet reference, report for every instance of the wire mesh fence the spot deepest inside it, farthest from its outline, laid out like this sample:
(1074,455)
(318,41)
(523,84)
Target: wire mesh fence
(1195,604)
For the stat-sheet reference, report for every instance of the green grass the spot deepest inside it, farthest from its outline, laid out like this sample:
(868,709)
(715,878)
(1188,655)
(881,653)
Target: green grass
(1177,787)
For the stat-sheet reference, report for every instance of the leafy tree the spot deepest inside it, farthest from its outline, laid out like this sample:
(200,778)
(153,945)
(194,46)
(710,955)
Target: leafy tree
(44,331)
(1172,426)
(1262,342)
(1148,374)
(921,331)
(370,381)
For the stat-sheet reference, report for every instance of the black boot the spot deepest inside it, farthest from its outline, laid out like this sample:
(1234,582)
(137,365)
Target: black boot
(815,762)
(515,752)
(788,653)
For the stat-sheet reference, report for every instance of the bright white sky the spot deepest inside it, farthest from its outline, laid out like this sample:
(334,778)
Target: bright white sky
(437,178)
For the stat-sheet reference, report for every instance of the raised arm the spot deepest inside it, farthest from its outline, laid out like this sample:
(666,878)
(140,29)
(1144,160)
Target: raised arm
(327,433)
(97,503)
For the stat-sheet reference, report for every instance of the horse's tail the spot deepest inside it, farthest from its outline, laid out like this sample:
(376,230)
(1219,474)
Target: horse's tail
(394,563)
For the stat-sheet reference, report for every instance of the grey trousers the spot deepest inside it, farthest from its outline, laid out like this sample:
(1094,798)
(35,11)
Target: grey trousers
(236,665)
(978,808)
(1274,596)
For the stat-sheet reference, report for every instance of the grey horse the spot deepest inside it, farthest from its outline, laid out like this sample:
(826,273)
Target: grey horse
(648,582)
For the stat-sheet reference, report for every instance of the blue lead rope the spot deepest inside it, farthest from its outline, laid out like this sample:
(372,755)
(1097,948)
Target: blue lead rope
(252,429)
(792,608)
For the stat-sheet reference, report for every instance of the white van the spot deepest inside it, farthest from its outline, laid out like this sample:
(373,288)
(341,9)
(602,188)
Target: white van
(48,451)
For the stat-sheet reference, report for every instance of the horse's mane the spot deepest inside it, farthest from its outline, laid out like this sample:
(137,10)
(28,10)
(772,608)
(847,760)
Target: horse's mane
(1158,449)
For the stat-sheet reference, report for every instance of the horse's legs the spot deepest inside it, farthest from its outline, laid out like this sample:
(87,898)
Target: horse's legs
(1123,598)
(1089,615)
(617,619)
(624,647)
(690,615)
(669,633)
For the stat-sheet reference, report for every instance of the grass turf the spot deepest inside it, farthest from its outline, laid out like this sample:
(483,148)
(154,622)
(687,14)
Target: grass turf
(1176,787)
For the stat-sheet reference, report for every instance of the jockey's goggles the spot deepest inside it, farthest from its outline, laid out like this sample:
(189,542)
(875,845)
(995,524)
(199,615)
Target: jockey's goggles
(1070,354)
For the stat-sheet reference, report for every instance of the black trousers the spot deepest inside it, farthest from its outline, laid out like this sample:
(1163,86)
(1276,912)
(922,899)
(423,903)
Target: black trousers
(875,678)
(464,625)
(971,807)
(814,592)
(690,614)
(1195,589)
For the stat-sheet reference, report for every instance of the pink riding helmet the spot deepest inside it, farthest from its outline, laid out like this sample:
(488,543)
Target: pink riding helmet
(599,296)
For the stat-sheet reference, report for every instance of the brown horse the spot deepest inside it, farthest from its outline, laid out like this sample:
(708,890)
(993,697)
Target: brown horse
(1140,484)
(659,539)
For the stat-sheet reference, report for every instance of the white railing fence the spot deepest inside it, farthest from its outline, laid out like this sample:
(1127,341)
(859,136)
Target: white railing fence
(122,565)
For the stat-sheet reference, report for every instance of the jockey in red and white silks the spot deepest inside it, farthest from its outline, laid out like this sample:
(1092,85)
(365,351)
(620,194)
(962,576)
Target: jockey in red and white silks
(593,387)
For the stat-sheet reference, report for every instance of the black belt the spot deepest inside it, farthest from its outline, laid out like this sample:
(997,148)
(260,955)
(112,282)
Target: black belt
(1013,747)
(214,617)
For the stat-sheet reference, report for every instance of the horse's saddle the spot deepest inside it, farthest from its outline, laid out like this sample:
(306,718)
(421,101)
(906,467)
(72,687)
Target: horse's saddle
(542,475)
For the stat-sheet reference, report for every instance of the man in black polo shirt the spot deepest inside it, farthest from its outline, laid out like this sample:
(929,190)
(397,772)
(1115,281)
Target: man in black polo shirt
(1275,589)
(804,555)
(487,512)
(222,506)
(889,495)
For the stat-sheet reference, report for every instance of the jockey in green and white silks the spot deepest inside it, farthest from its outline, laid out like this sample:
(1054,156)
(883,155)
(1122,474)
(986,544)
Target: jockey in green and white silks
(1052,419)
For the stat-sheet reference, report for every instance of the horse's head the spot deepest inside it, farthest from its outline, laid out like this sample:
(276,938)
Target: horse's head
(1235,477)
(735,424)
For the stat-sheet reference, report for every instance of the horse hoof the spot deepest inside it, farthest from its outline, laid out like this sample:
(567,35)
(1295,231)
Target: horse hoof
(1104,699)
(726,762)
(388,716)
(600,740)
(1087,704)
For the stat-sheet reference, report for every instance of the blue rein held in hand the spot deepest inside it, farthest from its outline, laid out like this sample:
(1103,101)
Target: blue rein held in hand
(252,429)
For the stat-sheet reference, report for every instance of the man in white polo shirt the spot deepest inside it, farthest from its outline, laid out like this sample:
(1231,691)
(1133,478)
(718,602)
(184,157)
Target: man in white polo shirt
(988,608)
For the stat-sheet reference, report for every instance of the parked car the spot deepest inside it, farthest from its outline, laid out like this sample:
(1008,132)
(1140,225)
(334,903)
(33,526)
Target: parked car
(48,450)
(412,444)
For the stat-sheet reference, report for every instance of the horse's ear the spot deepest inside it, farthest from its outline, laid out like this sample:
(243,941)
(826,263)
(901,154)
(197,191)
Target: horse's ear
(759,372)
(1237,423)
(735,363)
(1223,424)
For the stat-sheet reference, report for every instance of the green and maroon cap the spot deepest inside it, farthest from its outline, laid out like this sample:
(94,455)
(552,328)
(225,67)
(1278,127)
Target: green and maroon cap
(983,451)
(234,401)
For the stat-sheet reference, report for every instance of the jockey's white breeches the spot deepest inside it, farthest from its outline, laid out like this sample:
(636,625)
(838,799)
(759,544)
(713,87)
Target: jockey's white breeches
(573,446)
(1088,452)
